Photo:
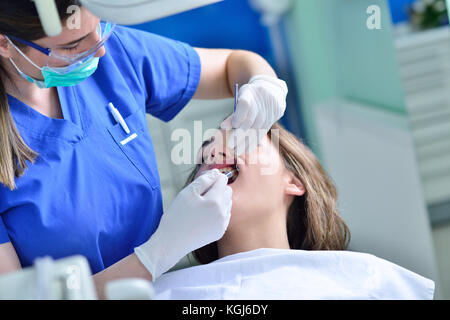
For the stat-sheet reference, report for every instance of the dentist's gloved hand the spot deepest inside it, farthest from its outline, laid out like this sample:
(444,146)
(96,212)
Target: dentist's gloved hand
(261,103)
(198,216)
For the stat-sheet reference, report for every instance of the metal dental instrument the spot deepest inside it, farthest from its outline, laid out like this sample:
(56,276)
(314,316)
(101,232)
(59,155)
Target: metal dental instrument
(229,174)
(236,94)
(236,91)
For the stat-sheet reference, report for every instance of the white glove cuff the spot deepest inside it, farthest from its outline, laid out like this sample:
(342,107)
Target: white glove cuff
(146,261)
(275,81)
(152,256)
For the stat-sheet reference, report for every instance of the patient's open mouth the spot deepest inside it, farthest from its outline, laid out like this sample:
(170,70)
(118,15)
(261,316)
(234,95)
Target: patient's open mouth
(231,171)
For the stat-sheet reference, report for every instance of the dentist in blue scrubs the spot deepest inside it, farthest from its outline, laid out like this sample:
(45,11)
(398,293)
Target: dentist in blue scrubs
(78,174)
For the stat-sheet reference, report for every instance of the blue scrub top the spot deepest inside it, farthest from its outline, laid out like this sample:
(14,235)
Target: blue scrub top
(87,193)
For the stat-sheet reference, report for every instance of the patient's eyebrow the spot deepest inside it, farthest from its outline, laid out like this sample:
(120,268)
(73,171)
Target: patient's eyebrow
(207,142)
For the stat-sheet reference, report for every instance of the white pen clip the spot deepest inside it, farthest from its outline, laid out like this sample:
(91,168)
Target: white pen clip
(118,117)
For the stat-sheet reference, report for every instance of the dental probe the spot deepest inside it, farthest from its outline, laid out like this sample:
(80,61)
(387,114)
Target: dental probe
(236,92)
(229,174)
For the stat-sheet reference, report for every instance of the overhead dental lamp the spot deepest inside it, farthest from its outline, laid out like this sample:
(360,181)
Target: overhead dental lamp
(119,11)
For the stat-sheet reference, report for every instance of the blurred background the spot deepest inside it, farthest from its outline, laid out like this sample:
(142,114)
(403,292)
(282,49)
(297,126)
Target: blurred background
(373,104)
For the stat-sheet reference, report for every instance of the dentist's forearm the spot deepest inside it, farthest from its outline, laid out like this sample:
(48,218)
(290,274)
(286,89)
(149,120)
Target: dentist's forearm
(243,65)
(129,267)
(223,68)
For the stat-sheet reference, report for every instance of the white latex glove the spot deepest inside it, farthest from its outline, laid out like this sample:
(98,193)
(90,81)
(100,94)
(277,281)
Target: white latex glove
(198,216)
(261,103)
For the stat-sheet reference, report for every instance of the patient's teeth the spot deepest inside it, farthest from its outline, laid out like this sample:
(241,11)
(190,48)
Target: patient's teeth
(234,173)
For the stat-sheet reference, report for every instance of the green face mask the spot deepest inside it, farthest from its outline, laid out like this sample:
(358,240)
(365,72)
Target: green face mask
(59,77)
(72,78)
(55,79)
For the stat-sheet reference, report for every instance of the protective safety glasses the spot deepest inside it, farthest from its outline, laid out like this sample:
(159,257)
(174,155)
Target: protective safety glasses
(61,60)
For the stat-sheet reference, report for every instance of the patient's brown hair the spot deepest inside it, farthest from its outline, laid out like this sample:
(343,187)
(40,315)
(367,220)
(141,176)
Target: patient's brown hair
(313,221)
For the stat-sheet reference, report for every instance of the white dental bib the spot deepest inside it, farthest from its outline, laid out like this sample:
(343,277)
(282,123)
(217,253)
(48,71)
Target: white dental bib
(295,274)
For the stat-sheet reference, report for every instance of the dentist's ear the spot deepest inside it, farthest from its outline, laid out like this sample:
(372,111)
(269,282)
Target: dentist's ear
(5,48)
(294,186)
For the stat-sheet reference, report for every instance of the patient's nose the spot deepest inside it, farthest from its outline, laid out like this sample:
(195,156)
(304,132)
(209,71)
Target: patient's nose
(221,155)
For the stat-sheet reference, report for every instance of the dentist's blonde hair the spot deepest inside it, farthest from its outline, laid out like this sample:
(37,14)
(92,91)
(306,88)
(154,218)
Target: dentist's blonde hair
(313,220)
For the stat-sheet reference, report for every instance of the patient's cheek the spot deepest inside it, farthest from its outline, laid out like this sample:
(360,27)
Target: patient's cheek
(267,161)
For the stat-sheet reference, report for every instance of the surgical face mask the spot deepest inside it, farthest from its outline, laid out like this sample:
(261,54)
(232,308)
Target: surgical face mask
(53,78)
(76,68)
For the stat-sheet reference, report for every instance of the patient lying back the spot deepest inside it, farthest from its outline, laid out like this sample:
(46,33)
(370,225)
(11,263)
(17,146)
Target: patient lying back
(286,238)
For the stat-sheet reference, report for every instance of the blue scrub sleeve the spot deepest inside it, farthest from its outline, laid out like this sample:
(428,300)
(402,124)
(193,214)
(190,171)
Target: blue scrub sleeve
(168,70)
(3,232)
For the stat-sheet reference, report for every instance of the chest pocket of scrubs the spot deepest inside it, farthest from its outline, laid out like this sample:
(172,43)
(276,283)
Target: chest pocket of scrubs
(138,146)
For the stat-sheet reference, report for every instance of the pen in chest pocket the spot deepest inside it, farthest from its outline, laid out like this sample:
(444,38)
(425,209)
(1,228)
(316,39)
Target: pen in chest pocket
(118,117)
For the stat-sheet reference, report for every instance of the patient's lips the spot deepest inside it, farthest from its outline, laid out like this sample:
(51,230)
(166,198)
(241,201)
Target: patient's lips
(230,170)
(228,163)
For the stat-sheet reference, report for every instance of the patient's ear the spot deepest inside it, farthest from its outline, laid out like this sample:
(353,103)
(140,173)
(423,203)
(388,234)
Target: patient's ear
(293,185)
